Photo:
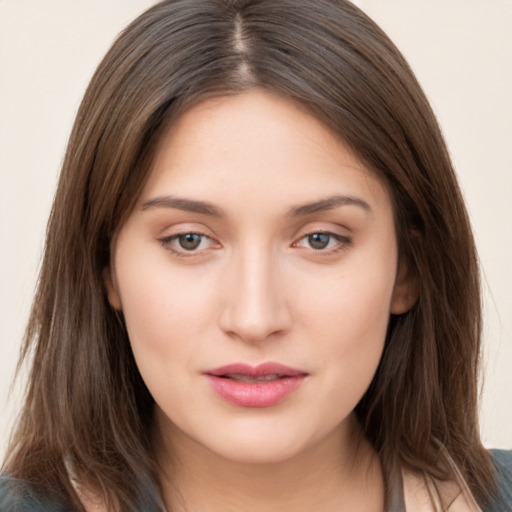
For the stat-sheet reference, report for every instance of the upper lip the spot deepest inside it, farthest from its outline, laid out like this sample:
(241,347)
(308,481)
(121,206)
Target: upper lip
(260,370)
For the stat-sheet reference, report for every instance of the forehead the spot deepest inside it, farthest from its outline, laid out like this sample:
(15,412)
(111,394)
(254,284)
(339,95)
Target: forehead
(258,142)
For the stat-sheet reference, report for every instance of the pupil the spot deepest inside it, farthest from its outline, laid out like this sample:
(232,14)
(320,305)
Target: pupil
(190,241)
(318,240)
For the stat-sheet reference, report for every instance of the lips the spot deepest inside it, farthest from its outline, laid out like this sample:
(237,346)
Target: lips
(247,378)
(255,386)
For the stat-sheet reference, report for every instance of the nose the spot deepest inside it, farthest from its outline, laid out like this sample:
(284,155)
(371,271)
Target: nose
(255,306)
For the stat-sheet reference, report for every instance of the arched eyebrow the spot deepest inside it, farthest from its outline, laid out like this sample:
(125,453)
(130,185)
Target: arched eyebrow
(181,203)
(327,203)
(205,208)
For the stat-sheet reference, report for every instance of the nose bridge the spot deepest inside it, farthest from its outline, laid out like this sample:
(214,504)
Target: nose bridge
(255,307)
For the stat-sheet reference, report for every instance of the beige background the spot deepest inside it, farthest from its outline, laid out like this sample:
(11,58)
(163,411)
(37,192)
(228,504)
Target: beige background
(461,51)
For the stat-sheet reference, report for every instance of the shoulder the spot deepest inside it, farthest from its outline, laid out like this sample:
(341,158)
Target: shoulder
(503,463)
(18,496)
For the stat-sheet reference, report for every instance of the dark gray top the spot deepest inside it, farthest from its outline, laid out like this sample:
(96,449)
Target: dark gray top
(17,496)
(503,460)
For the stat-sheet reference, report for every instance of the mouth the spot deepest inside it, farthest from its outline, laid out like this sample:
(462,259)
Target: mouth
(248,378)
(264,385)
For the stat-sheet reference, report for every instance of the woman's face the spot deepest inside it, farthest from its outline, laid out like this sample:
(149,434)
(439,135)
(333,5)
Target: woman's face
(256,276)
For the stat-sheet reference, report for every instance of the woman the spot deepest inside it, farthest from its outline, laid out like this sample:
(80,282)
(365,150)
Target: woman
(260,288)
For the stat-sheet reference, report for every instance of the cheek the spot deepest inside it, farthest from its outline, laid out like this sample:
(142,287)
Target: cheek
(367,308)
(165,311)
(350,355)
(166,317)
(349,323)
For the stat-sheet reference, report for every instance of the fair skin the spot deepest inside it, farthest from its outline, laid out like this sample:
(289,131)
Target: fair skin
(259,238)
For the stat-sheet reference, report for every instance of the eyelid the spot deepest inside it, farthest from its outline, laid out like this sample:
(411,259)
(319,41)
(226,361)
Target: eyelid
(167,242)
(343,242)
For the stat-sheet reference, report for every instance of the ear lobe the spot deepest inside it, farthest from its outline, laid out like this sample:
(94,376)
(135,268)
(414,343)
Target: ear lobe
(406,291)
(110,282)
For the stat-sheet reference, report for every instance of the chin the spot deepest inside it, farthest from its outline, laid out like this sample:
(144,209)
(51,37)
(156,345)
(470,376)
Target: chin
(259,453)
(260,445)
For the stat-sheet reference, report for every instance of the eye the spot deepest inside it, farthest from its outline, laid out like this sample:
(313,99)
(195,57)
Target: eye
(323,241)
(184,244)
(190,241)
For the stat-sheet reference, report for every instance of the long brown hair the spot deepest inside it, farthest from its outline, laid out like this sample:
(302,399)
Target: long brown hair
(86,405)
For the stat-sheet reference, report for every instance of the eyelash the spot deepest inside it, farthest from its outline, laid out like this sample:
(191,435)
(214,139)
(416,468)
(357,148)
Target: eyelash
(182,253)
(342,242)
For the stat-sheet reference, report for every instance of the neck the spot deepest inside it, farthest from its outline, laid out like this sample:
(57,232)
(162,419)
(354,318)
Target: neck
(340,473)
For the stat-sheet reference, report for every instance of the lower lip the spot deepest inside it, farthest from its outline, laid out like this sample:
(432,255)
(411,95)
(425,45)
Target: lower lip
(255,394)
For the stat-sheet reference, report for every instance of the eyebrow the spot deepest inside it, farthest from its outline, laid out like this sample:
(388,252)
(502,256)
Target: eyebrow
(328,203)
(205,208)
(187,205)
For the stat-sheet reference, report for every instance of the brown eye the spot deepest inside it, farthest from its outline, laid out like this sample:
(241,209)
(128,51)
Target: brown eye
(189,241)
(324,242)
(319,241)
(188,244)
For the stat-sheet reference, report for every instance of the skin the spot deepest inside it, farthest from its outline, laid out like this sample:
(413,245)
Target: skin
(255,290)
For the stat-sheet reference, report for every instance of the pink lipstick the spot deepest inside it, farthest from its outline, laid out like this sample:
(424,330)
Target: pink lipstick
(255,386)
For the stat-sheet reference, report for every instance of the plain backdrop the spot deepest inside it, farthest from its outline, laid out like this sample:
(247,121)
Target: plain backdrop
(461,51)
